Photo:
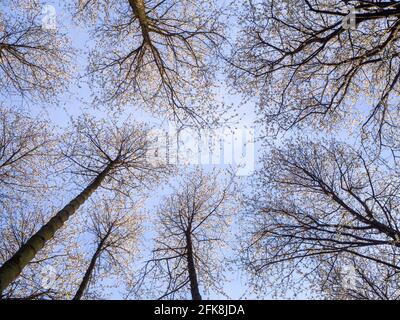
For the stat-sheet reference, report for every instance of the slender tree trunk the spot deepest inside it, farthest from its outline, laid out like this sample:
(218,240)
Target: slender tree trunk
(139,10)
(11,269)
(89,270)
(194,285)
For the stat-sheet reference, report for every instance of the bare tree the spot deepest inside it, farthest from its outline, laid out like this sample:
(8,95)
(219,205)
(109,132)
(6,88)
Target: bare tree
(312,60)
(29,191)
(320,208)
(109,155)
(34,59)
(156,52)
(26,147)
(115,228)
(191,233)
(354,278)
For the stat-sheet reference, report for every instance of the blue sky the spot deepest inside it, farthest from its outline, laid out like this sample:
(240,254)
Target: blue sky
(77,100)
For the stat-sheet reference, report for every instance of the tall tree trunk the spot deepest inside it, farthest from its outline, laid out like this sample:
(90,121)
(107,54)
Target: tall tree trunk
(11,269)
(194,285)
(89,270)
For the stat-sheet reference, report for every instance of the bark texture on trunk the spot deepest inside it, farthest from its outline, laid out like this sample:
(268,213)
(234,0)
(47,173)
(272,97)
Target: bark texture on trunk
(194,285)
(11,269)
